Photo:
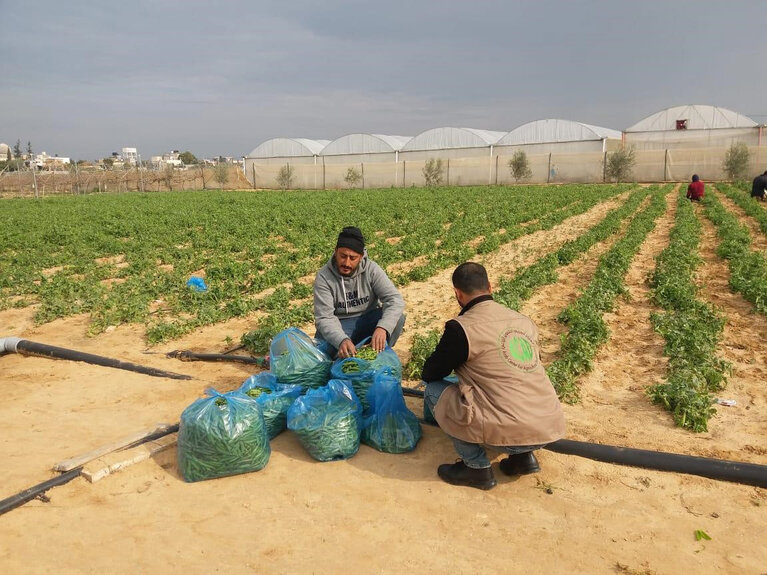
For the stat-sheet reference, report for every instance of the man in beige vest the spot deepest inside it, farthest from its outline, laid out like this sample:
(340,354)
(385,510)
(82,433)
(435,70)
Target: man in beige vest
(503,397)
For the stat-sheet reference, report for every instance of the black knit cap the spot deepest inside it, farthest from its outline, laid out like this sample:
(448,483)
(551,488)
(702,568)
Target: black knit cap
(352,238)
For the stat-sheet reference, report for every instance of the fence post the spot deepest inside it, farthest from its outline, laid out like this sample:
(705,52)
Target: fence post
(362,167)
(404,173)
(604,167)
(323,172)
(665,165)
(448,171)
(548,170)
(496,169)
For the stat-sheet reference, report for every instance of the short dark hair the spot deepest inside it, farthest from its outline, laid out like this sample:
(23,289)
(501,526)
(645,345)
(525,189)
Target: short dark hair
(471,277)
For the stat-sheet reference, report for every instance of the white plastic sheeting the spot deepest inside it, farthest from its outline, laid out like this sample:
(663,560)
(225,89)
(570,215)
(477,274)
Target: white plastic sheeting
(451,138)
(355,144)
(698,116)
(555,130)
(288,148)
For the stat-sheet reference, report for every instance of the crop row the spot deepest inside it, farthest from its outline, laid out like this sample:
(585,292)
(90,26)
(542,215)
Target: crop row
(748,268)
(587,330)
(691,327)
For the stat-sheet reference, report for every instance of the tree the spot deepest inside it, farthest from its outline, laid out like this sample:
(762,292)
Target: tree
(432,172)
(221,174)
(735,163)
(108,162)
(620,164)
(8,156)
(188,158)
(285,177)
(167,177)
(17,149)
(520,167)
(352,177)
(29,149)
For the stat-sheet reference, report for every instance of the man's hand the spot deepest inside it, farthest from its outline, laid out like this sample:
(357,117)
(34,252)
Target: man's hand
(378,341)
(346,349)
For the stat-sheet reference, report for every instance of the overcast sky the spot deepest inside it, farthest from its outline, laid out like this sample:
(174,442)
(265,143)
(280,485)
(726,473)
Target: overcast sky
(86,78)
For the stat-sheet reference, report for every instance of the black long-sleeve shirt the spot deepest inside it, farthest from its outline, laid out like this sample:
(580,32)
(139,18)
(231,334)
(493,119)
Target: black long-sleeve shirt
(452,349)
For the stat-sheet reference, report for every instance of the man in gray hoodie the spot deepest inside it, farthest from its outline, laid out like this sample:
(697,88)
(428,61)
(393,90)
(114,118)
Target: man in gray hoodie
(355,299)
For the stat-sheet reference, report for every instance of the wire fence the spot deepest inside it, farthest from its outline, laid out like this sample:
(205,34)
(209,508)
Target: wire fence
(667,165)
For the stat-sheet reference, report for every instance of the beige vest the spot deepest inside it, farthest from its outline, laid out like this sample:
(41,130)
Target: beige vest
(503,396)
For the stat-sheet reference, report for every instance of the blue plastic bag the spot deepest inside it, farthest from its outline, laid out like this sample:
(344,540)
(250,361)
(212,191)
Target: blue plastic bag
(390,426)
(274,398)
(295,359)
(362,371)
(327,421)
(196,283)
(222,434)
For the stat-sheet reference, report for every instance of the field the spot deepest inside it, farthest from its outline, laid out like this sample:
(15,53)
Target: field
(649,309)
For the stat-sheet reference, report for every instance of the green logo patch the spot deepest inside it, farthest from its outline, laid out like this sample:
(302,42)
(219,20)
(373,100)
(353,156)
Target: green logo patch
(518,351)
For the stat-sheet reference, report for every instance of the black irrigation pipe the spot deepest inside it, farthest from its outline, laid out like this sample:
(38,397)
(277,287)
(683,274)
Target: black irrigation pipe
(721,469)
(26,347)
(185,355)
(33,492)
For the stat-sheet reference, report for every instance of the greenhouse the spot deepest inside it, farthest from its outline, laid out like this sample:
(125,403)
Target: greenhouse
(364,148)
(693,126)
(563,136)
(280,150)
(451,143)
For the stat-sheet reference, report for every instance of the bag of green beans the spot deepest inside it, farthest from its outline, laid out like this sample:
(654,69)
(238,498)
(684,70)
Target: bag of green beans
(390,426)
(274,398)
(295,359)
(327,421)
(222,434)
(361,368)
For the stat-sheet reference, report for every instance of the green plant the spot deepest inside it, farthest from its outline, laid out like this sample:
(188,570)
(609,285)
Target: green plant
(620,164)
(422,347)
(432,172)
(221,174)
(285,177)
(352,177)
(520,167)
(735,163)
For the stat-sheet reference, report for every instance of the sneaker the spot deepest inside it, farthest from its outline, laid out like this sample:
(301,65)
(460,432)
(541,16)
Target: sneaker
(520,464)
(459,473)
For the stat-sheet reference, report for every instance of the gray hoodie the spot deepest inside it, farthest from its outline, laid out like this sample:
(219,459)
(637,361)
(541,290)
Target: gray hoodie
(337,297)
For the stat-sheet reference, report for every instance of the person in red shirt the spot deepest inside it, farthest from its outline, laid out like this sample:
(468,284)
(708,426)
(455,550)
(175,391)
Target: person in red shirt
(695,189)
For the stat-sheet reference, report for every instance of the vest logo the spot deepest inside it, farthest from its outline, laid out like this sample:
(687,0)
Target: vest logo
(518,350)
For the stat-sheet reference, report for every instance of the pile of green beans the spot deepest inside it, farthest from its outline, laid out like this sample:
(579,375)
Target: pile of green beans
(393,433)
(337,438)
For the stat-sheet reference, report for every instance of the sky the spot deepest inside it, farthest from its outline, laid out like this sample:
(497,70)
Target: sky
(83,79)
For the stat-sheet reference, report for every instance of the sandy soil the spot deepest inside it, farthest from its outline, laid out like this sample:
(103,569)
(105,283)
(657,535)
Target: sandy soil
(377,513)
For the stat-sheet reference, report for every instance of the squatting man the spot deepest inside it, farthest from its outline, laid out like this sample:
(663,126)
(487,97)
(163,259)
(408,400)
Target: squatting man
(354,299)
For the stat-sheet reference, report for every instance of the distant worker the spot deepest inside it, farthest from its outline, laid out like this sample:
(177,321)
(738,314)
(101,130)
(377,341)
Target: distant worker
(503,398)
(695,189)
(759,187)
(355,299)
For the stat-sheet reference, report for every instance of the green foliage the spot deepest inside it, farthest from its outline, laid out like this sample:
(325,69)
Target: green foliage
(520,167)
(587,330)
(620,164)
(352,177)
(221,174)
(735,163)
(420,350)
(285,177)
(432,172)
(188,158)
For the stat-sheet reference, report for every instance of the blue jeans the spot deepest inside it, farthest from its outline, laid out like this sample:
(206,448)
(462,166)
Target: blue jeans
(472,454)
(359,327)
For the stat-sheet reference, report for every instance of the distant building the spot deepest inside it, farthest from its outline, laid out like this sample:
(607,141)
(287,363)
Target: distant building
(130,156)
(4,150)
(45,162)
(170,159)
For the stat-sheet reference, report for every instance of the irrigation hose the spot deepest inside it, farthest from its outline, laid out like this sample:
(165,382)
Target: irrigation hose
(185,355)
(721,469)
(22,497)
(26,347)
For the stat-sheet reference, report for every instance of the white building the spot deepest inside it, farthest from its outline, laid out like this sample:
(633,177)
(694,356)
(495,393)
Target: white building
(130,156)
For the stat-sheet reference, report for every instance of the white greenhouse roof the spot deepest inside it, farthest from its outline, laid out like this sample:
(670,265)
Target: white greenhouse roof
(288,148)
(554,130)
(365,144)
(698,116)
(447,138)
